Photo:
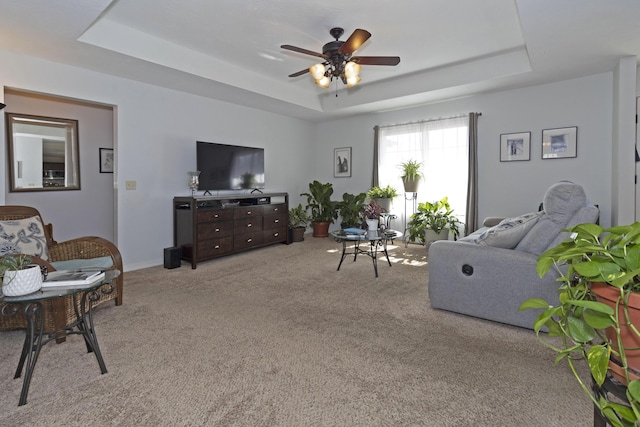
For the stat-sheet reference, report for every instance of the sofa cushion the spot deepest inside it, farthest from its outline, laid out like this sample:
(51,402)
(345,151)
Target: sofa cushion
(100,263)
(23,236)
(507,233)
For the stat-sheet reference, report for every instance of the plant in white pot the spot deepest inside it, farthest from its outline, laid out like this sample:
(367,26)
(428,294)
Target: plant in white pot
(19,276)
(599,271)
(433,221)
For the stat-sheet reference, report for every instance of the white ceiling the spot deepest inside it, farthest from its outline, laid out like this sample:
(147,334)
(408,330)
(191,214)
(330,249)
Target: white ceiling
(230,49)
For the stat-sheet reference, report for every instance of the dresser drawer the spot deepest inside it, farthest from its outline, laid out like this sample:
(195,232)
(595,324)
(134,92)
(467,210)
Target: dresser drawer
(280,208)
(214,215)
(215,230)
(247,211)
(275,221)
(274,235)
(215,247)
(247,240)
(247,225)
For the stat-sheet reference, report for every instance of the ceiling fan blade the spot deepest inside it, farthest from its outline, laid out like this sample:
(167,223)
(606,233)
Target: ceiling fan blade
(301,50)
(376,60)
(354,41)
(299,73)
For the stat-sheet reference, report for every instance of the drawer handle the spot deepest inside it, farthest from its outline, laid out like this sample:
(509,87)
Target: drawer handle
(248,212)
(276,221)
(276,234)
(275,209)
(249,225)
(249,240)
(217,230)
(217,247)
(216,216)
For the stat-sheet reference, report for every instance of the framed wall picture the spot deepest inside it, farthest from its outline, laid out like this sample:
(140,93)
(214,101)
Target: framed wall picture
(342,162)
(560,143)
(515,147)
(106,160)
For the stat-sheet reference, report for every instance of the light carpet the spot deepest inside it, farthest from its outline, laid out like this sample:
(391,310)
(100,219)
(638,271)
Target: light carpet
(278,337)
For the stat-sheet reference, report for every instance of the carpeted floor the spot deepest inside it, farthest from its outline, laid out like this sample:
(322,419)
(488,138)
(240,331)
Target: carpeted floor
(278,337)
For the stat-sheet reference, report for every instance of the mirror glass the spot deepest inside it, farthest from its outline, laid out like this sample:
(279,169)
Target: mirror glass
(43,153)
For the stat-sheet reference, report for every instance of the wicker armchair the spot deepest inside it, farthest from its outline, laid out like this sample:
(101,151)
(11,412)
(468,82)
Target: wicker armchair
(59,312)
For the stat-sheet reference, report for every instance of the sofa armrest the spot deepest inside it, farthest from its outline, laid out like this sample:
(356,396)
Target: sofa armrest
(490,221)
(487,282)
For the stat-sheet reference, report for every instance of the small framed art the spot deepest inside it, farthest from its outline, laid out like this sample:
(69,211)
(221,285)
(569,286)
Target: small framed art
(106,160)
(560,143)
(515,147)
(342,162)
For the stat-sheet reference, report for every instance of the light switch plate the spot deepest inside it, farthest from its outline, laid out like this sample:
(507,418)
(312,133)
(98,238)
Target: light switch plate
(130,185)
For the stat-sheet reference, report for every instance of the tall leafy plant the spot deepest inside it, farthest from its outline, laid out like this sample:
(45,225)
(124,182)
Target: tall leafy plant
(323,209)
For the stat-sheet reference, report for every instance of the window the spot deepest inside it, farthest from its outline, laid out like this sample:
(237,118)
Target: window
(442,146)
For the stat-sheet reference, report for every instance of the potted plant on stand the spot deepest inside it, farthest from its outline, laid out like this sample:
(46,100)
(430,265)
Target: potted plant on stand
(411,175)
(597,316)
(323,210)
(383,196)
(19,276)
(298,222)
(433,221)
(349,209)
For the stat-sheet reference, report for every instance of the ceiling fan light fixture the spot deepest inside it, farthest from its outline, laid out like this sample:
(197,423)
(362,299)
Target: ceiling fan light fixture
(353,80)
(323,82)
(351,69)
(317,71)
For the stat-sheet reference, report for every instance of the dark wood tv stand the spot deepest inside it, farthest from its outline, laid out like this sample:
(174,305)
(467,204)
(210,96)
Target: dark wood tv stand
(207,227)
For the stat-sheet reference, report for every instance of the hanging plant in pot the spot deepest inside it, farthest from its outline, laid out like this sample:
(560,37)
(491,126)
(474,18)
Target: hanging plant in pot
(411,175)
(19,276)
(599,271)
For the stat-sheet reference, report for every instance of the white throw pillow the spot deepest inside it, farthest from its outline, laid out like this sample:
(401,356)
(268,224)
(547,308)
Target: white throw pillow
(509,231)
(23,236)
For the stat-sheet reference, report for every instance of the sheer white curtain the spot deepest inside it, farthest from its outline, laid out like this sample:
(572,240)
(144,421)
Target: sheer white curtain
(442,145)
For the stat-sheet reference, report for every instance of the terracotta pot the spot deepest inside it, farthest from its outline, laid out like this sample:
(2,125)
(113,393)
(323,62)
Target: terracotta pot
(320,229)
(609,295)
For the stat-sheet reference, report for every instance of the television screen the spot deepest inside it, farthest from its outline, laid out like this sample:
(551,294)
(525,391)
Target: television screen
(229,167)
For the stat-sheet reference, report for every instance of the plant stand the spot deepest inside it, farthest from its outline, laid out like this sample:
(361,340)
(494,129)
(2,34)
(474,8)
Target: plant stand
(412,199)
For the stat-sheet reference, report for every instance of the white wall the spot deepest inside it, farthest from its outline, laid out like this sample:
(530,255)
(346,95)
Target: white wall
(155,145)
(507,188)
(96,195)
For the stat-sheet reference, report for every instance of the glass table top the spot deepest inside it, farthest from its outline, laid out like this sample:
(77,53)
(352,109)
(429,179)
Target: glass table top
(352,234)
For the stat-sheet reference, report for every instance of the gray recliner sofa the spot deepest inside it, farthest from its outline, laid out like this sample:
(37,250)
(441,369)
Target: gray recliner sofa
(489,273)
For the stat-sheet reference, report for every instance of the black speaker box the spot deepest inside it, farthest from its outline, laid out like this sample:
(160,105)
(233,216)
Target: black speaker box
(172,257)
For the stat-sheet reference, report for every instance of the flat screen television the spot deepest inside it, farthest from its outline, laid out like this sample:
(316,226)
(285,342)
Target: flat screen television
(229,167)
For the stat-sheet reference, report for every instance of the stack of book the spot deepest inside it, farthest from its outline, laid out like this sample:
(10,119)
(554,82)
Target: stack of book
(72,278)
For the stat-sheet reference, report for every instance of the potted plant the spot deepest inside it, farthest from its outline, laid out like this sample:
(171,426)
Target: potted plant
(298,222)
(433,221)
(349,209)
(599,271)
(411,175)
(371,212)
(383,196)
(323,210)
(19,276)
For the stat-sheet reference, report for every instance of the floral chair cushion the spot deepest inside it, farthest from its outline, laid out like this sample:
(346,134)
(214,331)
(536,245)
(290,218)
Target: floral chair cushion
(23,236)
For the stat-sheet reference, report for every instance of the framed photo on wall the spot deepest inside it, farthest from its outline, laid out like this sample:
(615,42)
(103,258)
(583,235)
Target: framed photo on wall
(342,162)
(560,143)
(106,160)
(515,147)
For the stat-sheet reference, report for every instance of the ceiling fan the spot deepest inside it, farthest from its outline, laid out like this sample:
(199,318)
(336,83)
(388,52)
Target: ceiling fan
(338,62)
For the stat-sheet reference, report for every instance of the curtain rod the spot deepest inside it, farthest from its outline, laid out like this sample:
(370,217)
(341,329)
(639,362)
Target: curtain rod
(426,121)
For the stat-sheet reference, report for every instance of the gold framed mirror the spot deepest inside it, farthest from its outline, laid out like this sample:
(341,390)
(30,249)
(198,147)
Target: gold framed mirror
(43,153)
